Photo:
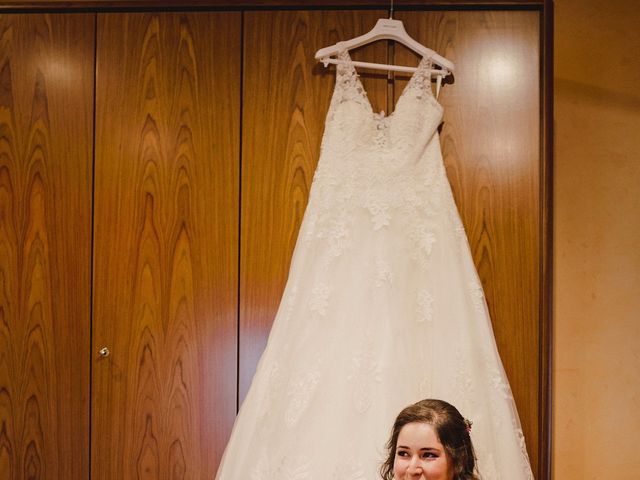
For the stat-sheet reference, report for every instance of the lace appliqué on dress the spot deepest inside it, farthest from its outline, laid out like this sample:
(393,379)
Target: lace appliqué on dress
(424,306)
(365,370)
(383,273)
(320,299)
(299,392)
(423,241)
(273,385)
(477,295)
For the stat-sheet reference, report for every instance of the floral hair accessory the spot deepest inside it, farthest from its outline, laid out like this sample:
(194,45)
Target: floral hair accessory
(468,423)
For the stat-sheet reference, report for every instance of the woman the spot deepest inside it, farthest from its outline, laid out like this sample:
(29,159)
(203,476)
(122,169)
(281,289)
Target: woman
(430,440)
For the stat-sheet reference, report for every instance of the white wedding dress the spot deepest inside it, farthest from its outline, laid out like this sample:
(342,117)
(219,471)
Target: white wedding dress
(383,307)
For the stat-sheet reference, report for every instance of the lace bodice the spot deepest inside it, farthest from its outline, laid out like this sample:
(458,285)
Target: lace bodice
(352,124)
(378,163)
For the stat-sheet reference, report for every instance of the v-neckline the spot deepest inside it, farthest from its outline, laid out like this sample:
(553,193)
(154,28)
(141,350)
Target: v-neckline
(382,115)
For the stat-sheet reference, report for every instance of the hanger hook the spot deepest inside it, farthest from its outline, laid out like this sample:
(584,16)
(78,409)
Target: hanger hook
(391,11)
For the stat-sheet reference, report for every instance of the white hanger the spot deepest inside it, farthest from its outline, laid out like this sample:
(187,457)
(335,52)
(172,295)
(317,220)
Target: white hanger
(386,29)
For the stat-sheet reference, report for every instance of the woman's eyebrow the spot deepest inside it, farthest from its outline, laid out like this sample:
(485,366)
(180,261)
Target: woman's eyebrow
(430,449)
(434,449)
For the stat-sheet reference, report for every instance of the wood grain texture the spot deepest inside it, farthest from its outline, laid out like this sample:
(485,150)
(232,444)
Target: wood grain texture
(491,146)
(46,137)
(286,96)
(166,226)
(546,238)
(252,4)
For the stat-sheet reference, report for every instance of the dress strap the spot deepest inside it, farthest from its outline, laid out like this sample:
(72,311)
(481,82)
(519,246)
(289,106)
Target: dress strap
(348,85)
(420,81)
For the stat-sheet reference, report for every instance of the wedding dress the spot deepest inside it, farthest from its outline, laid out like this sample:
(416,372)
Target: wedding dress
(383,307)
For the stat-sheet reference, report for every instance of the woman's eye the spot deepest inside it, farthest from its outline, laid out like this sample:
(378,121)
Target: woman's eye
(402,453)
(429,455)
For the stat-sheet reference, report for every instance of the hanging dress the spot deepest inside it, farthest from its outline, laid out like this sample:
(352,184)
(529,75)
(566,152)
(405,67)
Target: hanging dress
(383,307)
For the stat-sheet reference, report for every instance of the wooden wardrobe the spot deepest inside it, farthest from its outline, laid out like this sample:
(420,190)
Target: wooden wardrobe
(155,164)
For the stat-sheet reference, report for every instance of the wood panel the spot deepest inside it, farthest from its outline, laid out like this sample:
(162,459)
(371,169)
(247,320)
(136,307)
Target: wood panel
(491,146)
(46,139)
(166,227)
(286,95)
(546,240)
(250,4)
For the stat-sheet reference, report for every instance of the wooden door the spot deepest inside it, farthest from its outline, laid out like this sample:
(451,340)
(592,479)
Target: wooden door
(46,139)
(165,258)
(490,139)
(491,145)
(285,99)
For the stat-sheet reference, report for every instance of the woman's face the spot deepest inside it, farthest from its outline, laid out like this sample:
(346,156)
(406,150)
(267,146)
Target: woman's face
(420,455)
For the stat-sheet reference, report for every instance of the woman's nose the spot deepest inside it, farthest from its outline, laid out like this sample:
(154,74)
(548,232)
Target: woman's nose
(414,466)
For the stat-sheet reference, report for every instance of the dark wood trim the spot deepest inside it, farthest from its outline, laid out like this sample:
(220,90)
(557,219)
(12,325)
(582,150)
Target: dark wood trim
(101,5)
(546,287)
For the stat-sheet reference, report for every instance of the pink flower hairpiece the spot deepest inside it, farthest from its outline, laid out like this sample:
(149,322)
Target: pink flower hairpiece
(468,423)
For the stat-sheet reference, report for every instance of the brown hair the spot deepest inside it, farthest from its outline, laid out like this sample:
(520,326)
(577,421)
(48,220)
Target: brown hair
(449,426)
